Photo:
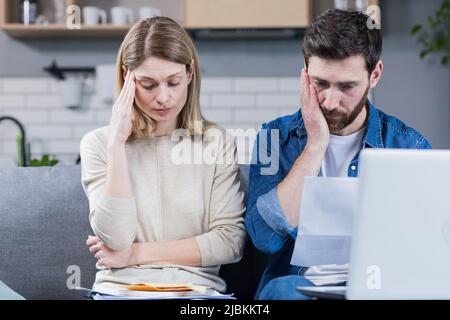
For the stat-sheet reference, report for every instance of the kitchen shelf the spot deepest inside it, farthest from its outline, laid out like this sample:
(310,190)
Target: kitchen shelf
(55,30)
(19,30)
(195,15)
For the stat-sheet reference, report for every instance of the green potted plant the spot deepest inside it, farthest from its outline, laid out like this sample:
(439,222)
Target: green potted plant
(435,35)
(45,160)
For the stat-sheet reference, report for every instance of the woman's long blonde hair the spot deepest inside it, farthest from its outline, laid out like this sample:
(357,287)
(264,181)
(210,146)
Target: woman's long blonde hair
(163,38)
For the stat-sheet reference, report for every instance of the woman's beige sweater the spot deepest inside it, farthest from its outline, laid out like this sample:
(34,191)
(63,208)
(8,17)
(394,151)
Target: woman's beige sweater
(183,187)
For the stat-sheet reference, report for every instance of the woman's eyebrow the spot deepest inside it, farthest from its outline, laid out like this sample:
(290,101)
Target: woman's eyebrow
(171,76)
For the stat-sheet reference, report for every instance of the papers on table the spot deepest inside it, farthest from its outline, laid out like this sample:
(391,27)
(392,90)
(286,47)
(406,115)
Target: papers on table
(165,296)
(155,291)
(326,215)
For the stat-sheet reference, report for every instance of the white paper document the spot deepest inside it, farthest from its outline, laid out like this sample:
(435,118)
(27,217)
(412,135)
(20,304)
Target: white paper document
(116,292)
(326,215)
(165,296)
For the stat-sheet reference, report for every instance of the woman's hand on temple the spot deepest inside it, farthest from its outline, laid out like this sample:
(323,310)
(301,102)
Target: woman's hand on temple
(121,123)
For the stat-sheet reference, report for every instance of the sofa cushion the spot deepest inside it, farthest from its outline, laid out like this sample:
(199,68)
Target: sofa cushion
(44,215)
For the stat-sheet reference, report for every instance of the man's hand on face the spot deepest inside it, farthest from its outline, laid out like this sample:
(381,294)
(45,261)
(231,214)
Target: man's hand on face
(315,122)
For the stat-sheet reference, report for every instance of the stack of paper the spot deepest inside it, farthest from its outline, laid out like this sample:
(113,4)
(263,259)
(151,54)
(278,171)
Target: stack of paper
(156,291)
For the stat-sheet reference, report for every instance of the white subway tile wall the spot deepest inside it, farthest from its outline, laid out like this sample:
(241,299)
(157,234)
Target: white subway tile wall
(239,104)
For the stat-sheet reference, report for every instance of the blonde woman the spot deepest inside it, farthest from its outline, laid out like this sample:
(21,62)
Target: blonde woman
(158,213)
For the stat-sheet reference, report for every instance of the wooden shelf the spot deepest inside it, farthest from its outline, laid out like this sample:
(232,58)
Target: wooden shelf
(55,30)
(7,24)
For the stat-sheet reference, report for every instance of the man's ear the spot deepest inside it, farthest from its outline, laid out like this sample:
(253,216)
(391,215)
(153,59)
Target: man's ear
(376,74)
(305,64)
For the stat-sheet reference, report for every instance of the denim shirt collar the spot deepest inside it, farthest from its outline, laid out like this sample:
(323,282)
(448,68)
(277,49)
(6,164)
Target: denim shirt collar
(372,138)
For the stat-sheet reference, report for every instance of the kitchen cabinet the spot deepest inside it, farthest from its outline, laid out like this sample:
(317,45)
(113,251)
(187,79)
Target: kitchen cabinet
(254,14)
(223,14)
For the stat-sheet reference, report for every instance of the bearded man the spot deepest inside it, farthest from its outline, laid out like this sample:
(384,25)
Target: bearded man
(324,138)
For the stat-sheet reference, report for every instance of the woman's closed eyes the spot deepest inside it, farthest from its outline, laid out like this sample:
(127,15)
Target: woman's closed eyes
(153,86)
(150,84)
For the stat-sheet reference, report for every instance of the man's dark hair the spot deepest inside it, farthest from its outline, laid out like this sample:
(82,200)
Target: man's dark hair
(338,34)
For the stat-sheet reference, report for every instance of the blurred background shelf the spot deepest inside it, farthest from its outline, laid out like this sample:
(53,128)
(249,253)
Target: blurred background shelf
(55,30)
(10,24)
(194,15)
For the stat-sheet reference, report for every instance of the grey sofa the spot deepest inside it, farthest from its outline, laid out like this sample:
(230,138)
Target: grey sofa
(44,224)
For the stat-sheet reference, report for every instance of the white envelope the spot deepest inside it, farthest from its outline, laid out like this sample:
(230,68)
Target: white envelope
(326,215)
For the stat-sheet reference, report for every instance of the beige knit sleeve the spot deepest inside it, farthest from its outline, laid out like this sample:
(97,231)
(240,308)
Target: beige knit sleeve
(224,243)
(113,220)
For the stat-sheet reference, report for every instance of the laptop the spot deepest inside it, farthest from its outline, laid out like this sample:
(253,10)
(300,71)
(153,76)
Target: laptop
(401,232)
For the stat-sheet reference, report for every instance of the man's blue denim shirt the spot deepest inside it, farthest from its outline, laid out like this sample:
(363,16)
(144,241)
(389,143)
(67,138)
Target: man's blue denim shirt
(283,140)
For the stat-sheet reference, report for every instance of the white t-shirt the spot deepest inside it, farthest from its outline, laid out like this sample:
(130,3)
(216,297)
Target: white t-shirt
(340,152)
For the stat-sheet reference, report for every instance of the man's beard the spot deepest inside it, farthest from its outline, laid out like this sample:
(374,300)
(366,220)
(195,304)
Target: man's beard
(338,120)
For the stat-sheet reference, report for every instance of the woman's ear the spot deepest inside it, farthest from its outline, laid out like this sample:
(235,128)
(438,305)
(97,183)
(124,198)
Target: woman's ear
(124,72)
(191,71)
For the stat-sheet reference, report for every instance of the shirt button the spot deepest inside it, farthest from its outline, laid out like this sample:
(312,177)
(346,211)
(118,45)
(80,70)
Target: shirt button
(353,168)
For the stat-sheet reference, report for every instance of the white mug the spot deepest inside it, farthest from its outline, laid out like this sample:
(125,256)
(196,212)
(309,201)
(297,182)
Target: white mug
(122,15)
(149,12)
(93,15)
(361,5)
(341,4)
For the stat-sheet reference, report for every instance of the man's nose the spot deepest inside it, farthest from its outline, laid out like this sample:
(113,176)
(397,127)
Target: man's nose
(331,99)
